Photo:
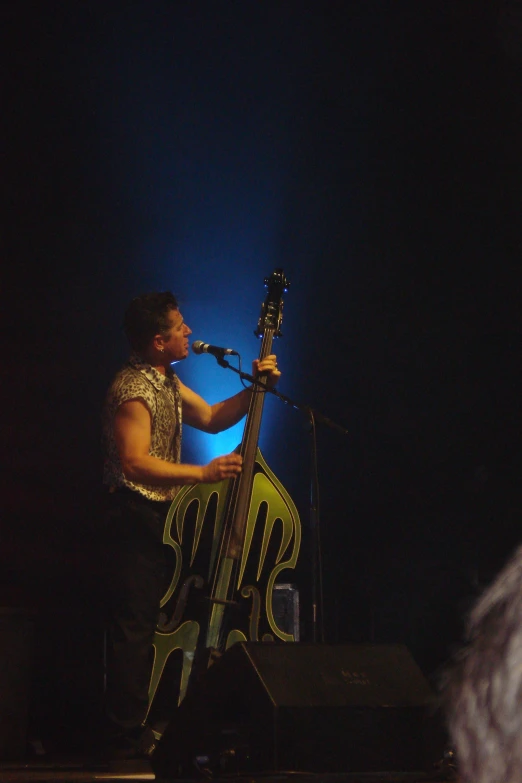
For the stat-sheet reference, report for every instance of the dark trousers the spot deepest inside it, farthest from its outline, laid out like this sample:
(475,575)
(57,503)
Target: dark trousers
(137,577)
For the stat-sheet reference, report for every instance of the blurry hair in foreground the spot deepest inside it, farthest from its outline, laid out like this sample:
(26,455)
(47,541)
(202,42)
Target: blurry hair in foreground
(483,689)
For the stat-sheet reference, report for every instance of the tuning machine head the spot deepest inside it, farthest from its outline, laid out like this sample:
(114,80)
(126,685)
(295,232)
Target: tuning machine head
(272,308)
(278,278)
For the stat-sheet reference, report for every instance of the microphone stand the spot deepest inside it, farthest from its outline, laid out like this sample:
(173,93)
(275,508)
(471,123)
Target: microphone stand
(319,417)
(315,520)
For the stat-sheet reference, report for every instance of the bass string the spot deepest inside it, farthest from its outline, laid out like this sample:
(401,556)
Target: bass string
(252,422)
(250,441)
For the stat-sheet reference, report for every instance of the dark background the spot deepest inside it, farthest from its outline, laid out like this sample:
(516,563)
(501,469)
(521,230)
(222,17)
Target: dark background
(373,150)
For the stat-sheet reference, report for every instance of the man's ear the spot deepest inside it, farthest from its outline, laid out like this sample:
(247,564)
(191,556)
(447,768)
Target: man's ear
(159,343)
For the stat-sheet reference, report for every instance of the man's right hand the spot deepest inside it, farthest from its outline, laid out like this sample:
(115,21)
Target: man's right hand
(221,468)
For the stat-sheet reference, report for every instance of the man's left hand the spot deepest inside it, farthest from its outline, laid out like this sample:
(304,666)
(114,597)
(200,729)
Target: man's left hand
(267,367)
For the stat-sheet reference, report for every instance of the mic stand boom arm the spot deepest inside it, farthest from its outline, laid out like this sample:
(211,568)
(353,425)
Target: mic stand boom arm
(319,417)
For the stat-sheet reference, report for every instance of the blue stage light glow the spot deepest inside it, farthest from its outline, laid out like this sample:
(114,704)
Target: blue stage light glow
(214,218)
(205,376)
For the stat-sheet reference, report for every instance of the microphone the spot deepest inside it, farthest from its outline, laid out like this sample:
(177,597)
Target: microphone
(200,347)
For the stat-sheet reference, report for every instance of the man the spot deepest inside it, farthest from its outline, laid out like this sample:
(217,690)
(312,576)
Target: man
(144,410)
(483,689)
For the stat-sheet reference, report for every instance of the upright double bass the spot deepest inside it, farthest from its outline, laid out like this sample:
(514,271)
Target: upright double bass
(231,541)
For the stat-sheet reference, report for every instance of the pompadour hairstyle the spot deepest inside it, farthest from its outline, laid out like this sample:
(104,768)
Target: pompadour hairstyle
(146,316)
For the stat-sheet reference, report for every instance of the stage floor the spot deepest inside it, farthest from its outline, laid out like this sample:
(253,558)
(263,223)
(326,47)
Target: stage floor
(72,770)
(85,770)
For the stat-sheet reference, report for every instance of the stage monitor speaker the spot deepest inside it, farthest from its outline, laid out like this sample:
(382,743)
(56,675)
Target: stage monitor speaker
(266,707)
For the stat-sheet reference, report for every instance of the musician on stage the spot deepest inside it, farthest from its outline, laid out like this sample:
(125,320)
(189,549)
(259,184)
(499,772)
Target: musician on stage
(142,423)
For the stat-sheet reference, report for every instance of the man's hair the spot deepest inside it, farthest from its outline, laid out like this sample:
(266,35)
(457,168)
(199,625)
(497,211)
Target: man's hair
(483,690)
(146,316)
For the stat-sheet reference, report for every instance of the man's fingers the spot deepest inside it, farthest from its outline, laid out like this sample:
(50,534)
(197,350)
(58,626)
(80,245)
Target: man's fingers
(232,459)
(268,368)
(228,466)
(266,364)
(232,464)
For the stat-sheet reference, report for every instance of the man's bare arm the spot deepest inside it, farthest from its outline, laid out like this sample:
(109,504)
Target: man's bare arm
(132,430)
(222,415)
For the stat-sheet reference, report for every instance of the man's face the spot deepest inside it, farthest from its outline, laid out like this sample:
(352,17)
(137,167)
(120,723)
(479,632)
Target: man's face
(176,344)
